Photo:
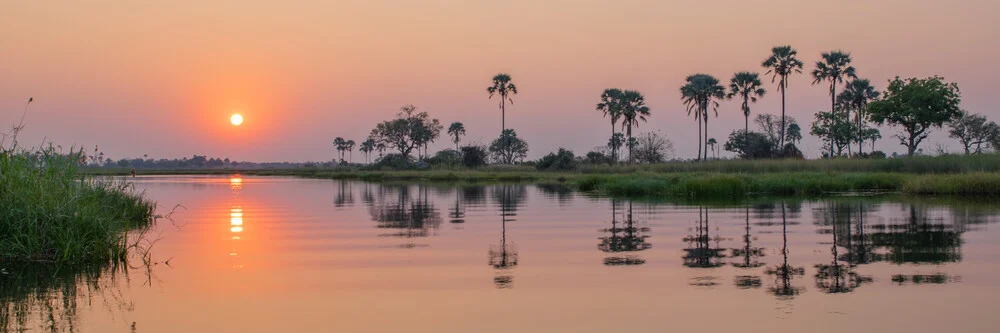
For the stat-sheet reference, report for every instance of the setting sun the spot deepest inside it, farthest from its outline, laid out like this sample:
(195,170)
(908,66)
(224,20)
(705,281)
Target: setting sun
(236,119)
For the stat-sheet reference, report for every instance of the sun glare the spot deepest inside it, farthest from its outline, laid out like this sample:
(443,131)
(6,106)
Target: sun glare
(236,119)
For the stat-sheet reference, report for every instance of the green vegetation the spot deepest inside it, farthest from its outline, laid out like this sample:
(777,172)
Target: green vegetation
(50,213)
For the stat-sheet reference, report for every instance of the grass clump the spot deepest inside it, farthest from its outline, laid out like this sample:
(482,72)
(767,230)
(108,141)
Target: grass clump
(970,184)
(51,213)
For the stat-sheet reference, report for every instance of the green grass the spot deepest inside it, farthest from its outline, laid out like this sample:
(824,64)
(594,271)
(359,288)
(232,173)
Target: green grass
(49,212)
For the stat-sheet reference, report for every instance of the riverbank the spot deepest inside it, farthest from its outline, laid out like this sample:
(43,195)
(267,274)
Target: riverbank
(682,184)
(51,212)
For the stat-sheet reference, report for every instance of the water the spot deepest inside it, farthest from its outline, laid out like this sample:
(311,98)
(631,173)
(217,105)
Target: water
(257,254)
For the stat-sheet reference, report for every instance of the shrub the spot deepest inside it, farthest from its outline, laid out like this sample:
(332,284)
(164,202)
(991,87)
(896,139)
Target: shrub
(394,161)
(596,157)
(560,160)
(447,157)
(473,156)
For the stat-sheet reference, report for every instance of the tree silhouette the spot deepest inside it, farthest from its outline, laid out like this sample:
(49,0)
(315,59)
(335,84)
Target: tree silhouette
(747,87)
(835,66)
(456,130)
(611,106)
(856,96)
(506,89)
(781,64)
(701,92)
(785,273)
(633,110)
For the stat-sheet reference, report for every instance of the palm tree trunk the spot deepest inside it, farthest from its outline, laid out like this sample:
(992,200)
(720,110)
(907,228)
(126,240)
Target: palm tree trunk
(833,113)
(746,127)
(503,114)
(628,142)
(614,155)
(783,85)
(698,118)
(705,116)
(861,131)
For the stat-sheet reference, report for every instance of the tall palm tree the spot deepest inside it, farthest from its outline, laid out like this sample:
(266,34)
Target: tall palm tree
(502,86)
(857,94)
(701,92)
(747,86)
(610,105)
(456,130)
(367,147)
(781,64)
(338,143)
(835,66)
(633,109)
(349,147)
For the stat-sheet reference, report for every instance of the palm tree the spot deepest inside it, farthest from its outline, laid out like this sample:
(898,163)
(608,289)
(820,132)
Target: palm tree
(505,88)
(367,147)
(836,65)
(633,109)
(349,147)
(781,64)
(857,94)
(747,86)
(610,105)
(700,92)
(456,130)
(338,144)
(714,144)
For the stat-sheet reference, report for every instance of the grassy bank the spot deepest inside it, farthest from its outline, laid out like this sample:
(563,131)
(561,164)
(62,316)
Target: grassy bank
(952,175)
(50,212)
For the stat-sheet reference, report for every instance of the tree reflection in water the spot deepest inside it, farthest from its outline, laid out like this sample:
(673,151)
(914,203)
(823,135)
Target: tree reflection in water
(408,218)
(836,277)
(749,257)
(701,253)
(625,239)
(784,273)
(503,257)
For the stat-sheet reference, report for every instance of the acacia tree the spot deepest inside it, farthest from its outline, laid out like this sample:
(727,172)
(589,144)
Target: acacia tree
(456,130)
(973,131)
(610,105)
(408,131)
(508,148)
(836,65)
(701,92)
(856,96)
(633,109)
(916,105)
(747,87)
(781,64)
(505,88)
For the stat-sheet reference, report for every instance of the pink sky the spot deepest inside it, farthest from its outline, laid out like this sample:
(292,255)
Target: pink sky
(163,78)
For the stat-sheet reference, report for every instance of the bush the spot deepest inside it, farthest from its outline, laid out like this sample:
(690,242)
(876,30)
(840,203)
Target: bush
(596,157)
(749,145)
(473,156)
(447,157)
(560,160)
(394,161)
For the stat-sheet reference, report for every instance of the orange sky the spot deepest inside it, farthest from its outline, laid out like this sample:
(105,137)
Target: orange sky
(162,78)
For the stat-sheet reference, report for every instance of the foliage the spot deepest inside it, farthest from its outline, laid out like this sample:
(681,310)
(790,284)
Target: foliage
(752,145)
(563,159)
(835,131)
(973,131)
(597,157)
(747,87)
(615,143)
(448,157)
(770,125)
(856,96)
(367,147)
(473,156)
(51,213)
(611,106)
(408,131)
(394,162)
(916,105)
(508,148)
(653,148)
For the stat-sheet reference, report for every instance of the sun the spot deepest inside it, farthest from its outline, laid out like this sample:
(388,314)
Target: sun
(236,119)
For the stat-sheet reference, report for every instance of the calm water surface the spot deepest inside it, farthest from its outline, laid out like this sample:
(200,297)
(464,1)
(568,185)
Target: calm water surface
(257,254)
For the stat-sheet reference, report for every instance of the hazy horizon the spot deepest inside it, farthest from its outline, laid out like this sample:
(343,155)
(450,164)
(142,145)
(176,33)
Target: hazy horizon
(163,78)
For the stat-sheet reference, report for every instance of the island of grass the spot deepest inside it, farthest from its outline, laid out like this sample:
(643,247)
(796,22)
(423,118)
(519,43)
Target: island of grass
(50,212)
(950,175)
